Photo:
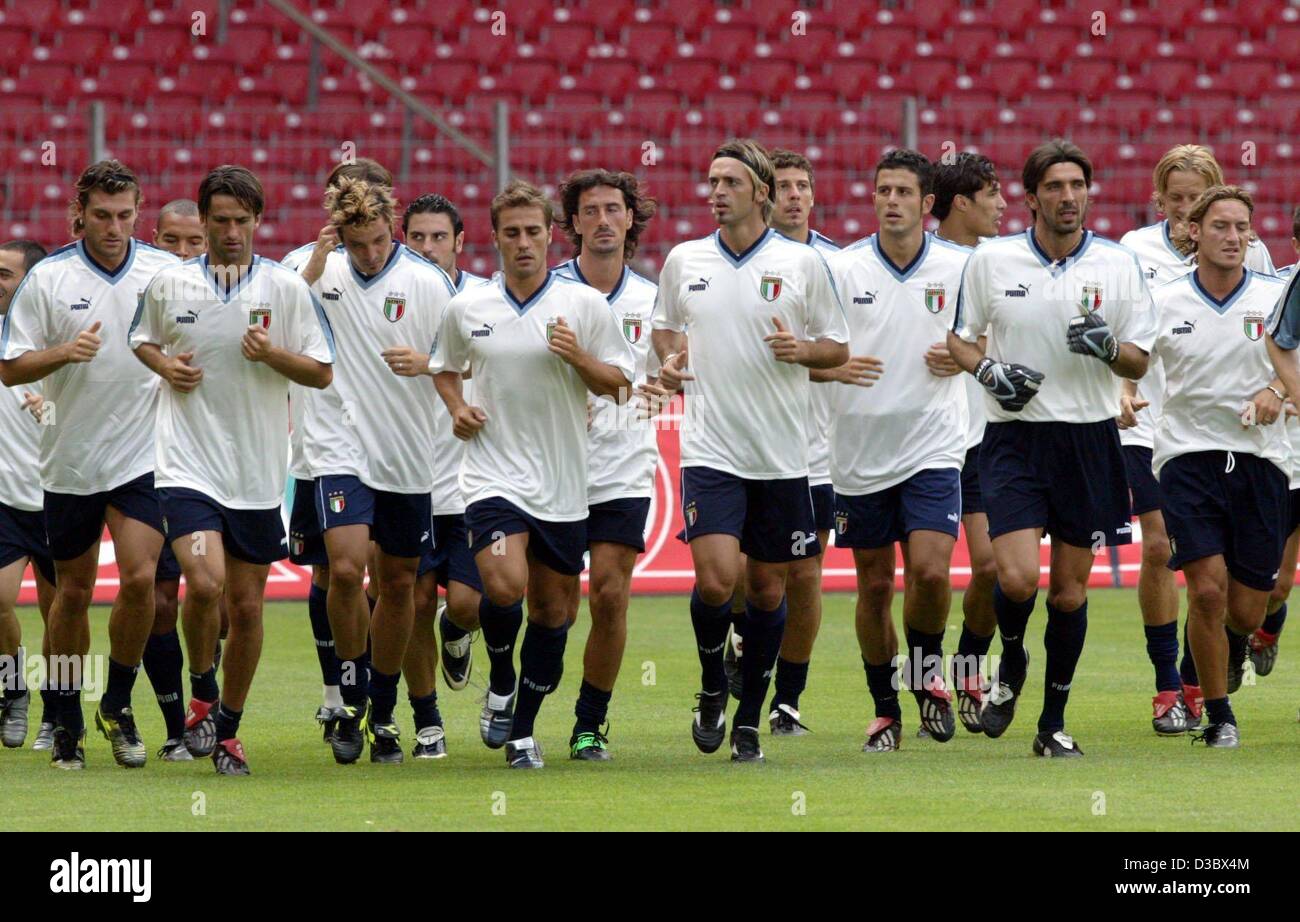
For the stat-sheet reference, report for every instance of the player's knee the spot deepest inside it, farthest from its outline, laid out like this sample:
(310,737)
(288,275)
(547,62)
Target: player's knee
(984,573)
(398,585)
(929,577)
(346,575)
(608,600)
(1018,586)
(1155,550)
(1070,598)
(502,590)
(245,614)
(164,615)
(203,589)
(136,582)
(714,589)
(1208,599)
(73,597)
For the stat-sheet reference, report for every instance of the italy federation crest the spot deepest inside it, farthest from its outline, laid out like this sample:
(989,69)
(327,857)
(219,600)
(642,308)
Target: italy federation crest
(1253,325)
(337,503)
(632,328)
(691,514)
(770,287)
(394,309)
(1091,299)
(934,298)
(260,318)
(841,522)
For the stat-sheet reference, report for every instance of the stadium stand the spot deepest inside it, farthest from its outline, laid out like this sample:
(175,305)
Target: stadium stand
(598,83)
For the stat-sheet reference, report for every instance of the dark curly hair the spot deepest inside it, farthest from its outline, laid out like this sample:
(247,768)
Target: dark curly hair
(640,205)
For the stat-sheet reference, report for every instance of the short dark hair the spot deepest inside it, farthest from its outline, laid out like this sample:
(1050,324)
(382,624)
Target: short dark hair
(904,159)
(107,176)
(641,206)
(372,171)
(1295,223)
(519,193)
(432,203)
(32,252)
(235,181)
(181,207)
(966,175)
(792,160)
(1047,155)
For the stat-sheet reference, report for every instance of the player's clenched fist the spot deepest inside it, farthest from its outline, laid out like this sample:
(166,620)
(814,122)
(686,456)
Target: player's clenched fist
(406,362)
(86,346)
(564,342)
(785,346)
(467,421)
(256,344)
(180,374)
(1012,386)
(673,373)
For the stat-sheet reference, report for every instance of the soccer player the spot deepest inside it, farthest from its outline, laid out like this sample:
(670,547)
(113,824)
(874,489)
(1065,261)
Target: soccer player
(1179,179)
(69,323)
(306,544)
(760,310)
(1065,312)
(795,188)
(535,343)
(604,214)
(179,231)
(897,450)
(432,227)
(969,205)
(22,530)
(226,332)
(1222,458)
(378,296)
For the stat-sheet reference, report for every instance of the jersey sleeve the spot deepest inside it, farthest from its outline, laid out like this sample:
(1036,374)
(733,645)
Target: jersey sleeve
(668,313)
(311,334)
(450,350)
(1136,323)
(971,319)
(1258,258)
(24,329)
(604,339)
(826,319)
(1284,322)
(147,325)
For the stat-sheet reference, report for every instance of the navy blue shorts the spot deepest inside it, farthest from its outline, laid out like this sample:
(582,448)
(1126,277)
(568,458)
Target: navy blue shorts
(1142,482)
(972,498)
(22,534)
(169,568)
(1228,503)
(928,500)
(619,521)
(450,555)
(823,499)
(772,518)
(251,535)
(75,523)
(306,541)
(1065,478)
(558,545)
(1293,519)
(400,523)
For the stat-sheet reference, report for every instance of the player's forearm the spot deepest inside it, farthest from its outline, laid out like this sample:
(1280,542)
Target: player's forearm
(300,369)
(151,355)
(667,342)
(824,353)
(965,354)
(1131,362)
(448,384)
(33,366)
(604,380)
(1286,362)
(823,375)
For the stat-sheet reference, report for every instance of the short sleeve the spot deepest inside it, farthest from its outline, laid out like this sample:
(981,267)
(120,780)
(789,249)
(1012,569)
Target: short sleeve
(1284,322)
(450,350)
(668,313)
(24,330)
(1136,322)
(825,314)
(314,336)
(147,327)
(605,339)
(971,318)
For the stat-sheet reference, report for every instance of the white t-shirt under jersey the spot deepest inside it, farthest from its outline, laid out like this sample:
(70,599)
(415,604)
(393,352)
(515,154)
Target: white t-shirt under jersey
(1215,360)
(20,459)
(391,417)
(104,409)
(532,451)
(228,437)
(622,449)
(1025,301)
(746,413)
(447,449)
(819,397)
(910,420)
(1161,262)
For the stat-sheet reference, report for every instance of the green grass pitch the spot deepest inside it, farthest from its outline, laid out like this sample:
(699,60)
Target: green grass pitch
(1129,779)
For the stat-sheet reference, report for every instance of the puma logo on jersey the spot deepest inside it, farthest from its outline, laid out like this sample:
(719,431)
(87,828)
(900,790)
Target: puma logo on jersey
(485,331)
(701,285)
(82,305)
(1151,273)
(1185,327)
(188,317)
(868,297)
(1020,291)
(333,294)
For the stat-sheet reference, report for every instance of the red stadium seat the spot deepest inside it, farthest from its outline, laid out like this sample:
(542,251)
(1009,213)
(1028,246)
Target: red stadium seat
(773,80)
(727,43)
(650,46)
(1055,43)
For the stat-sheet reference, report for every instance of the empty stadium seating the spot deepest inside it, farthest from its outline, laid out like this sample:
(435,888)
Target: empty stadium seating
(648,85)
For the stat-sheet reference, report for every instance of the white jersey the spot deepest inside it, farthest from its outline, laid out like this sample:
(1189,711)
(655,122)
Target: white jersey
(532,451)
(622,449)
(819,397)
(745,411)
(20,461)
(1215,362)
(390,417)
(447,449)
(1286,271)
(910,420)
(1024,301)
(1161,262)
(976,420)
(104,409)
(228,437)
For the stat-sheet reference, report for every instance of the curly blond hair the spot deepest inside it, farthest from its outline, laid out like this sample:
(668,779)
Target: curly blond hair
(357,202)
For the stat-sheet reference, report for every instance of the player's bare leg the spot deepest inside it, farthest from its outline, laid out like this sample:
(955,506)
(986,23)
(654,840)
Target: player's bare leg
(14,697)
(979,621)
(1158,601)
(608,594)
(927,597)
(245,591)
(878,644)
(803,621)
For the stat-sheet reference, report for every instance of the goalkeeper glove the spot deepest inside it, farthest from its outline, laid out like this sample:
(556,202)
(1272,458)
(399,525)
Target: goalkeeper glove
(1089,335)
(1012,386)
